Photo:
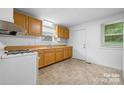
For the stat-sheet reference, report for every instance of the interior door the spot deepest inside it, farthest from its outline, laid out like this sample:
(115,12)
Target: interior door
(79,44)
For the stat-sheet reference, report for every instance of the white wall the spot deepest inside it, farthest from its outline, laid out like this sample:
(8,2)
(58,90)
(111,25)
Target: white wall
(17,40)
(94,51)
(6,14)
(26,40)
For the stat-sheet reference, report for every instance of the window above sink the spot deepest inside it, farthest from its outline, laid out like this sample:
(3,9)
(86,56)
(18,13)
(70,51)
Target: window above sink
(48,28)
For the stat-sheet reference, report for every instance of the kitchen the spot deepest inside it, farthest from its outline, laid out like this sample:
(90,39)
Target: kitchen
(37,50)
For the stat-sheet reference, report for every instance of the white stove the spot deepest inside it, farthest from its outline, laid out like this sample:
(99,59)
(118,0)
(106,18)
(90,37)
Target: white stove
(18,68)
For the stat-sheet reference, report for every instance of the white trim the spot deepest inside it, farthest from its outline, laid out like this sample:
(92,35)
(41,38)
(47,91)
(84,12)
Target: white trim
(111,48)
(115,21)
(113,34)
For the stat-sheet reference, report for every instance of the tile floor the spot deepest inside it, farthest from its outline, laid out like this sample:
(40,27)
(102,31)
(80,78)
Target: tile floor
(77,72)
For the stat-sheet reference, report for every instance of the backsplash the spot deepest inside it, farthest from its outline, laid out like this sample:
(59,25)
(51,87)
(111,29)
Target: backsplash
(28,40)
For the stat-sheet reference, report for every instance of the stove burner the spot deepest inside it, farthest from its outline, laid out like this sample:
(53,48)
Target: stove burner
(18,52)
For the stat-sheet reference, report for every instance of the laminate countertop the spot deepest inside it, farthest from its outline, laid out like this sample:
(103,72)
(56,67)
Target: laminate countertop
(34,47)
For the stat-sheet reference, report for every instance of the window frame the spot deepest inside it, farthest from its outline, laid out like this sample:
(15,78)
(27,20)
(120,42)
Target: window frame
(103,34)
(51,26)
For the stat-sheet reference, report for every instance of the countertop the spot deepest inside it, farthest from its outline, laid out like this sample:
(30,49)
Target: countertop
(34,47)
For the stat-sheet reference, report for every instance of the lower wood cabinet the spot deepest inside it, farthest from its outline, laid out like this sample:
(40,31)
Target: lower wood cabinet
(53,55)
(67,52)
(49,58)
(41,60)
(59,54)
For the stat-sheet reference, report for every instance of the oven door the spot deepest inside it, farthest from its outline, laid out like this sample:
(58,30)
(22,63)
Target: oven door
(20,69)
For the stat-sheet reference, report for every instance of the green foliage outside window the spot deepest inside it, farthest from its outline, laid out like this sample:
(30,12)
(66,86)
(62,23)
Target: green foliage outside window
(114,35)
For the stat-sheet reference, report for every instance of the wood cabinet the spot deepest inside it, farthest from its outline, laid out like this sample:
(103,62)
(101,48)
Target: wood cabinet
(49,56)
(62,32)
(41,60)
(53,55)
(21,20)
(67,52)
(66,33)
(32,25)
(59,54)
(46,55)
(59,31)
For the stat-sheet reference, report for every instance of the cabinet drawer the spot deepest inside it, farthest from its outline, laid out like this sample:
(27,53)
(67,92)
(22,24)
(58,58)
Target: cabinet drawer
(49,50)
(59,49)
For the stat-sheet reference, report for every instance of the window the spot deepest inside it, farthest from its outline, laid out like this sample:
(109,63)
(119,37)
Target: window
(113,35)
(48,31)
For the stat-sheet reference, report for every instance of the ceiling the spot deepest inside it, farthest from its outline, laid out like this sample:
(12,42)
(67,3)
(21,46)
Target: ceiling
(71,16)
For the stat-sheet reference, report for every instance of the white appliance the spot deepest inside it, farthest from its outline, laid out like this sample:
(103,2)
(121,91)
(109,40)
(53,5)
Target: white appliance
(9,28)
(18,68)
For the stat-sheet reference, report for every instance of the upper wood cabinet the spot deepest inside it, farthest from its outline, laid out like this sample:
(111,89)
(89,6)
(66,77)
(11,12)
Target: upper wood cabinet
(66,33)
(33,26)
(59,32)
(21,20)
(62,32)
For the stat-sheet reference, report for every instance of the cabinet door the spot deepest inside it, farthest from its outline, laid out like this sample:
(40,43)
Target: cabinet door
(66,33)
(67,37)
(41,60)
(35,27)
(65,53)
(59,55)
(59,31)
(21,20)
(57,34)
(70,52)
(49,58)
